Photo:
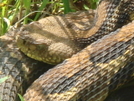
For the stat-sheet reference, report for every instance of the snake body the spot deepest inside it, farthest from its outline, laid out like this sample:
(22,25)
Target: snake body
(53,47)
(52,39)
(102,66)
(88,75)
(20,69)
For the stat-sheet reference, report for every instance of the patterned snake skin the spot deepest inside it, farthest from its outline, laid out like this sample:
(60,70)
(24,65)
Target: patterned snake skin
(101,67)
(20,69)
(60,42)
(54,43)
(89,75)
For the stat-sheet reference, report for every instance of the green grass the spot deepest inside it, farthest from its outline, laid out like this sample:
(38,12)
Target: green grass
(21,98)
(14,13)
(18,12)
(3,79)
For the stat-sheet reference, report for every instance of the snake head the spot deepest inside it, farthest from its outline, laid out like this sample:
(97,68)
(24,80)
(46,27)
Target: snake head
(45,41)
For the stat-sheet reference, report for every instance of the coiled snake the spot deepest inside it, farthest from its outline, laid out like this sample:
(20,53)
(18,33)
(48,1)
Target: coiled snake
(105,63)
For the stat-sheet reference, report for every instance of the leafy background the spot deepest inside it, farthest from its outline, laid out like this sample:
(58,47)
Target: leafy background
(15,13)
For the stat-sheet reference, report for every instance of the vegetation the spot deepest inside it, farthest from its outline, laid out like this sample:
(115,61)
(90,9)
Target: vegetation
(14,13)
(3,79)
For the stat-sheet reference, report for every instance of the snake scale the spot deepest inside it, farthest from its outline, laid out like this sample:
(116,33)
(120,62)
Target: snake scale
(105,63)
(57,45)
(20,69)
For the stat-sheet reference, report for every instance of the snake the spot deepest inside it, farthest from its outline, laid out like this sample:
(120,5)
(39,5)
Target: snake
(67,83)
(22,70)
(103,63)
(56,45)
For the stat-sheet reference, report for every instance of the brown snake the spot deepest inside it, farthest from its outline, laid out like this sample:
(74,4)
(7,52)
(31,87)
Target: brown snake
(89,75)
(20,69)
(99,68)
(56,45)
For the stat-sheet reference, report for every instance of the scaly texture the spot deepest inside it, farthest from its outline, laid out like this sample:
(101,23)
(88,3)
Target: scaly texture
(52,39)
(20,69)
(112,14)
(99,68)
(75,81)
(56,38)
(90,74)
